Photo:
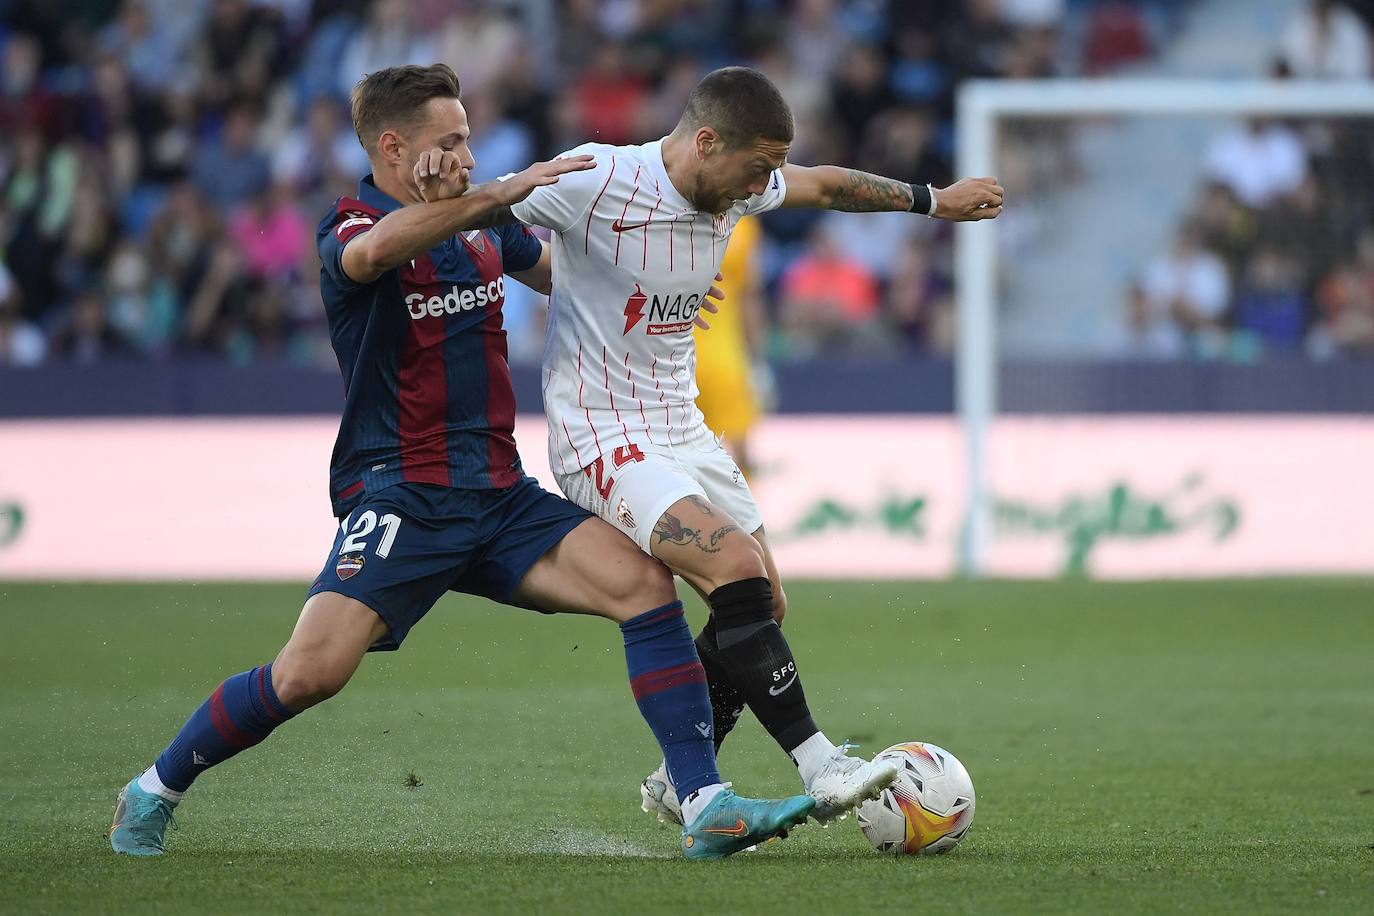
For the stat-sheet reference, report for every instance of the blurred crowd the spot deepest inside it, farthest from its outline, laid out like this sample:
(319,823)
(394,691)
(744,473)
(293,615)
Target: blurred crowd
(163,163)
(1277,254)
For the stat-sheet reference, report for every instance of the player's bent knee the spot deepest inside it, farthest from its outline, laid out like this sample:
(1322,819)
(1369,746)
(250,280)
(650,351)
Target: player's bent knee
(779,603)
(740,558)
(304,682)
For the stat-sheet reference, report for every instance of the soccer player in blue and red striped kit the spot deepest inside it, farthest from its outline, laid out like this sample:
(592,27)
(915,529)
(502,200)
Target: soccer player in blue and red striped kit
(427,483)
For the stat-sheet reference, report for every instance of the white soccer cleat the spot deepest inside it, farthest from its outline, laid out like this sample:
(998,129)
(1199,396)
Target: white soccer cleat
(843,783)
(659,797)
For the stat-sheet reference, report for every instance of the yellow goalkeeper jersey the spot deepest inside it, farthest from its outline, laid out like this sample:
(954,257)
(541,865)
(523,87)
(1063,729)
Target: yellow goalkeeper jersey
(727,396)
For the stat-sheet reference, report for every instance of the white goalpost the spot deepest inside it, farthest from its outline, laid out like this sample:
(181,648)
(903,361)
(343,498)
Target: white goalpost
(982,105)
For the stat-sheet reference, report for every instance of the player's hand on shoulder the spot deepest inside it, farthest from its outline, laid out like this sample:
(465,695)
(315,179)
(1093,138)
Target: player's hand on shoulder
(520,185)
(439,175)
(969,199)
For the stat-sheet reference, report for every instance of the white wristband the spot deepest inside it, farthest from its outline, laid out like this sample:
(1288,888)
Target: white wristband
(931,211)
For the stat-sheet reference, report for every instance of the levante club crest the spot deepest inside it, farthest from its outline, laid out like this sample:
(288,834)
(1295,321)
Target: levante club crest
(348,565)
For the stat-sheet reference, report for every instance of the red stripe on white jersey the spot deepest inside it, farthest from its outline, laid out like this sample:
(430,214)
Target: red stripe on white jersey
(606,367)
(677,390)
(580,403)
(587,241)
(579,375)
(659,388)
(634,388)
(568,436)
(645,264)
(595,437)
(626,210)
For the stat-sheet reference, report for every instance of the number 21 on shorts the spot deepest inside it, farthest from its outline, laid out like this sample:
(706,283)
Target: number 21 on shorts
(364,525)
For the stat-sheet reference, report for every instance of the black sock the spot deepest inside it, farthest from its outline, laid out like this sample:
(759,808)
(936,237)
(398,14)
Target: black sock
(727,703)
(751,648)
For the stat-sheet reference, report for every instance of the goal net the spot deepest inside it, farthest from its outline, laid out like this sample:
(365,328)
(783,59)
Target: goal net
(1164,359)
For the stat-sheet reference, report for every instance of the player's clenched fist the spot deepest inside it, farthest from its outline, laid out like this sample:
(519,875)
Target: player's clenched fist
(439,175)
(520,185)
(969,199)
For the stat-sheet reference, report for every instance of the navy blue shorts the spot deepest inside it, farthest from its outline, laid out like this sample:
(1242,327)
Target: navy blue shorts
(403,547)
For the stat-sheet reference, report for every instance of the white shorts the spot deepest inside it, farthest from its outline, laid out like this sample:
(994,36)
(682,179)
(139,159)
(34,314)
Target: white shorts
(632,487)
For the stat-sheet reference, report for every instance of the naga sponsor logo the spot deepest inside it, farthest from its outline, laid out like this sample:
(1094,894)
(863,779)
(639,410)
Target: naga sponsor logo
(665,313)
(456,300)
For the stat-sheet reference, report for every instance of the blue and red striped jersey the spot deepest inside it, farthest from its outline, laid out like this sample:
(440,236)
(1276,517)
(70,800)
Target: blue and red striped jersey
(427,386)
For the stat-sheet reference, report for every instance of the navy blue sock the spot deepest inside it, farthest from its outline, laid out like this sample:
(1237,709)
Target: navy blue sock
(670,689)
(240,713)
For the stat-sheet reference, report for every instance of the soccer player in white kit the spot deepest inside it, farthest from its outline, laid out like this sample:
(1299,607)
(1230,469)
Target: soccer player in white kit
(636,243)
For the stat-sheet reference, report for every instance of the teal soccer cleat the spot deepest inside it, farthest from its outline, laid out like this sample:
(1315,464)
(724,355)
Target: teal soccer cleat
(140,820)
(731,823)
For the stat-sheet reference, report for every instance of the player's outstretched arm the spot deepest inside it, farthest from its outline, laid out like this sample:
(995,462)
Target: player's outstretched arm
(831,187)
(410,231)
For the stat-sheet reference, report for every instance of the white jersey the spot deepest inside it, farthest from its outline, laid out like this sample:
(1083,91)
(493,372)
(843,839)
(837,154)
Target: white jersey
(632,260)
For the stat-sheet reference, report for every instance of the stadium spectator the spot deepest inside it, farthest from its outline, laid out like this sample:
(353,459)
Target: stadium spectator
(21,343)
(230,169)
(1260,161)
(86,336)
(322,158)
(271,233)
(608,97)
(239,52)
(1325,40)
(1117,35)
(142,303)
(479,39)
(829,301)
(1190,286)
(860,91)
(391,35)
(500,144)
(25,103)
(145,43)
(38,197)
(1271,304)
(901,143)
(1146,332)
(1345,300)
(1303,225)
(920,304)
(1226,226)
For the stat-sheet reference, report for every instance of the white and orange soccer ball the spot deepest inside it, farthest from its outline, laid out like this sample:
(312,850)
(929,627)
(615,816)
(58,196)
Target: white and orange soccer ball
(927,810)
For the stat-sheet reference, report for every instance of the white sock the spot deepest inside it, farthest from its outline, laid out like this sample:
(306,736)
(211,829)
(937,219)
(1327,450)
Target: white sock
(694,804)
(150,782)
(811,755)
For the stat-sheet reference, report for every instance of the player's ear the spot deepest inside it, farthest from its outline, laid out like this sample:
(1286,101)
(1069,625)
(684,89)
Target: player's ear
(708,142)
(389,147)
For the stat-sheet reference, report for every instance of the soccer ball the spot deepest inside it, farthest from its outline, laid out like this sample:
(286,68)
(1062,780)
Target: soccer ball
(927,810)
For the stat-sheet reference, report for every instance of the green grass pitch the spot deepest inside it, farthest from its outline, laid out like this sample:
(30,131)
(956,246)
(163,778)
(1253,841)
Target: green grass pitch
(1151,748)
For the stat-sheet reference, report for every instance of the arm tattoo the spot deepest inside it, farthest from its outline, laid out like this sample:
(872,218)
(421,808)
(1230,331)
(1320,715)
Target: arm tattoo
(865,193)
(670,530)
